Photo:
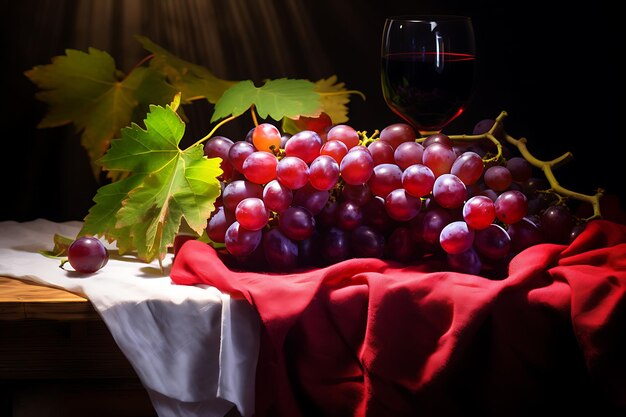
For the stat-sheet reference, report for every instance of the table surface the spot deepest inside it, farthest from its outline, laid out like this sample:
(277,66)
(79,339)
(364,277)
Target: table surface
(20,300)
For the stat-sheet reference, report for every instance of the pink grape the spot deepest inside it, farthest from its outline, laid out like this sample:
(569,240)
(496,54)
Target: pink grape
(407,154)
(327,217)
(344,133)
(511,206)
(382,152)
(449,191)
(292,172)
(431,224)
(456,237)
(260,167)
(323,172)
(439,158)
(484,125)
(305,144)
(479,212)
(440,138)
(468,167)
(309,250)
(418,180)
(276,196)
(357,167)
(251,213)
(397,133)
(335,149)
(385,178)
(401,205)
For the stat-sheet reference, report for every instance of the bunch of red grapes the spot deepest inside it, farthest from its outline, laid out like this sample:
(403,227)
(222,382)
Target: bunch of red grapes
(318,197)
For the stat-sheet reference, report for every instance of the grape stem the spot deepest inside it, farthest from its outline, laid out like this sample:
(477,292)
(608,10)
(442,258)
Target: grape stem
(212,132)
(546,167)
(253,114)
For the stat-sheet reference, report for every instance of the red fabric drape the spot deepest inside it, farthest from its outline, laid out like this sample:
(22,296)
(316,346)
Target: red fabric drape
(367,337)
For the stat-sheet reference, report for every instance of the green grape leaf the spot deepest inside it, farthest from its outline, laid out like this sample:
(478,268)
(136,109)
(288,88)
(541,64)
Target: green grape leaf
(165,185)
(86,89)
(193,81)
(276,98)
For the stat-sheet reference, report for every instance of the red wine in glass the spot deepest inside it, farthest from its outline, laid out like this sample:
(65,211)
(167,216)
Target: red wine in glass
(428,69)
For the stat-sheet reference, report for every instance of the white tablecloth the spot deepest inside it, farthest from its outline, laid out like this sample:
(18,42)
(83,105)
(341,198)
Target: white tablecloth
(194,348)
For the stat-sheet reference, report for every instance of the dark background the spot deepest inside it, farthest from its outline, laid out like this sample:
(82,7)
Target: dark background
(555,72)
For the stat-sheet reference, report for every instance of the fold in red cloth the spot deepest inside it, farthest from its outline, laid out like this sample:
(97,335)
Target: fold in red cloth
(366,337)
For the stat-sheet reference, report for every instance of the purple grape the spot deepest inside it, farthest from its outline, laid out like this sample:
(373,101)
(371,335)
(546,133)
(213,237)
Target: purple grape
(335,245)
(348,215)
(367,242)
(467,262)
(240,241)
(219,222)
(311,199)
(400,245)
(237,190)
(524,234)
(87,254)
(492,242)
(556,224)
(297,223)
(280,251)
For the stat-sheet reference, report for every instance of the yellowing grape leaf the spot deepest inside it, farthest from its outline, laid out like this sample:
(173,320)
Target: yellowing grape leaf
(193,81)
(143,212)
(334,98)
(276,98)
(87,90)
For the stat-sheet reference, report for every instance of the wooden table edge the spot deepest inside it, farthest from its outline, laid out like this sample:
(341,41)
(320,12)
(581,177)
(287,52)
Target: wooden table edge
(22,300)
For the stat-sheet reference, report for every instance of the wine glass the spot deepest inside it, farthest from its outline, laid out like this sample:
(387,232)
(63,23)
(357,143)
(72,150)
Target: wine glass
(428,68)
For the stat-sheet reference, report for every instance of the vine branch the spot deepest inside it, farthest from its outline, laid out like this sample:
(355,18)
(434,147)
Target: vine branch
(546,167)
